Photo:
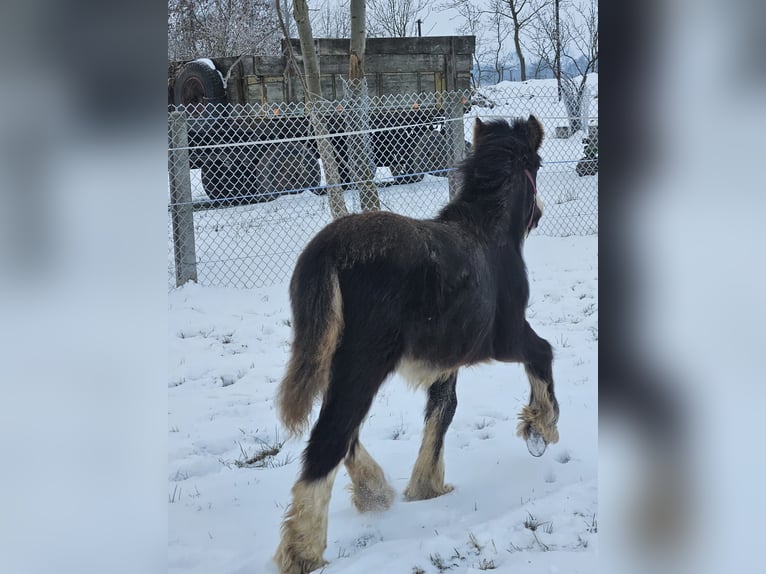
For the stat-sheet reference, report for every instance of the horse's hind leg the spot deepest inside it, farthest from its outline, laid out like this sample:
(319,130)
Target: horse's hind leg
(369,489)
(427,480)
(355,380)
(538,419)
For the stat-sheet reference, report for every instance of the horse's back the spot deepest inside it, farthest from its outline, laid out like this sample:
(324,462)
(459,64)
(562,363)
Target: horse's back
(425,282)
(364,237)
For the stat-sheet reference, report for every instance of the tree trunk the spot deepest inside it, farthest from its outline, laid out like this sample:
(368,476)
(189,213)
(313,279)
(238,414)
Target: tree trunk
(557,56)
(520,55)
(517,41)
(359,145)
(573,101)
(313,99)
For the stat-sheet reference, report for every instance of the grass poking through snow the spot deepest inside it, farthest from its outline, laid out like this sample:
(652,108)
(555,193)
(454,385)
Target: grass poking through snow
(265,456)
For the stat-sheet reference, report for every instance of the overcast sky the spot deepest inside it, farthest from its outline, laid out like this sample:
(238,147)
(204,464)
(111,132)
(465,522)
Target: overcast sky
(440,23)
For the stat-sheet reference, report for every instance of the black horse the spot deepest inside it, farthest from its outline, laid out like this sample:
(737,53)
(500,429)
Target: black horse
(377,292)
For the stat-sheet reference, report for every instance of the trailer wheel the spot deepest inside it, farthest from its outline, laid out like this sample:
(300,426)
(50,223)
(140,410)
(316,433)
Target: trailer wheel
(232,174)
(197,85)
(436,155)
(405,172)
(288,168)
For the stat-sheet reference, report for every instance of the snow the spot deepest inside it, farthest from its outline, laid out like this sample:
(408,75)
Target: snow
(227,352)
(207,61)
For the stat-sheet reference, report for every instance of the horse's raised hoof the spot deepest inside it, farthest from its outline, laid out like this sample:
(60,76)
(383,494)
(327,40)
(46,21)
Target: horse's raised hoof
(536,444)
(367,500)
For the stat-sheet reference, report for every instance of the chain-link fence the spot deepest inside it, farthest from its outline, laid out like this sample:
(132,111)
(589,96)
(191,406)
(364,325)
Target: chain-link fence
(250,185)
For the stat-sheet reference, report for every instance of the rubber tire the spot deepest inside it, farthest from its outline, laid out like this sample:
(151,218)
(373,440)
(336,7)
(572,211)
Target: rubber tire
(405,179)
(434,151)
(288,168)
(404,173)
(232,172)
(429,153)
(198,83)
(435,145)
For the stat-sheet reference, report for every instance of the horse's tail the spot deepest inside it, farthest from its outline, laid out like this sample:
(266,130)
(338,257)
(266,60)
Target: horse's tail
(317,309)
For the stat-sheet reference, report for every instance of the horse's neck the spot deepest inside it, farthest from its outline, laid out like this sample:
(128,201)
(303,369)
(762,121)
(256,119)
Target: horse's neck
(483,219)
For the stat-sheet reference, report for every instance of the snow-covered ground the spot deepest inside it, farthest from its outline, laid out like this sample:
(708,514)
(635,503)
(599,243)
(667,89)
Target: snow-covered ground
(509,512)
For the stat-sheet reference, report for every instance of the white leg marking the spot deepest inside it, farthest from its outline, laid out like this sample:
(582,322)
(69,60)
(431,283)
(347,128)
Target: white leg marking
(304,529)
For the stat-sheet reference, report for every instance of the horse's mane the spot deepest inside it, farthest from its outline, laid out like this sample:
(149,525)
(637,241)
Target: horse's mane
(485,198)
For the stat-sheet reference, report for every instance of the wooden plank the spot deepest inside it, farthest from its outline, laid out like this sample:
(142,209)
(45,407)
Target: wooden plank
(275,91)
(427,82)
(391,63)
(248,66)
(296,89)
(449,66)
(372,84)
(440,83)
(327,84)
(255,91)
(271,66)
(424,45)
(463,81)
(399,83)
(404,63)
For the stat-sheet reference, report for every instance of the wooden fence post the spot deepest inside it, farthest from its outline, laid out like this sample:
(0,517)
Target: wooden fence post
(181,208)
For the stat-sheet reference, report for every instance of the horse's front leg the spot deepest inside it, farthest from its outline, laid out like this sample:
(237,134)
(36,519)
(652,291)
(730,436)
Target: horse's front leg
(427,480)
(537,425)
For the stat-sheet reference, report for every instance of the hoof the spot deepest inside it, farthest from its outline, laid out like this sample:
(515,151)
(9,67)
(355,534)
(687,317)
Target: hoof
(289,562)
(412,493)
(536,444)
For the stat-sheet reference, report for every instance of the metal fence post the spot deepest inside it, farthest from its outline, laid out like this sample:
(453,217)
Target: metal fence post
(181,208)
(585,109)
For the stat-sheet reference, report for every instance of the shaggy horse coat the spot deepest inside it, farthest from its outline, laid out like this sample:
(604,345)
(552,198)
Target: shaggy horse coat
(377,292)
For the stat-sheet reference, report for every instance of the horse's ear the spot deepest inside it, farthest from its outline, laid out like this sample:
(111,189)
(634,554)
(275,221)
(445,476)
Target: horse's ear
(536,132)
(478,126)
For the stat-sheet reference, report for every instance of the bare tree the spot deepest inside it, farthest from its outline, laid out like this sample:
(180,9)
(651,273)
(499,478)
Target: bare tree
(500,33)
(359,145)
(182,26)
(313,91)
(221,28)
(472,18)
(493,23)
(521,13)
(573,38)
(331,20)
(557,31)
(491,31)
(285,7)
(585,42)
(394,18)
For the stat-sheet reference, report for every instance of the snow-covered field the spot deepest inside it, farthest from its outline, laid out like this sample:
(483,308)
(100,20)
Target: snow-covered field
(509,512)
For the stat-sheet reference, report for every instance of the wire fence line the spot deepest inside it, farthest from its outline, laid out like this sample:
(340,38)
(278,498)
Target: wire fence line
(250,185)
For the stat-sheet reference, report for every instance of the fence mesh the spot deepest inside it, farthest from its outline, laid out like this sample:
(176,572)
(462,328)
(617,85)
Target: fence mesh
(250,185)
